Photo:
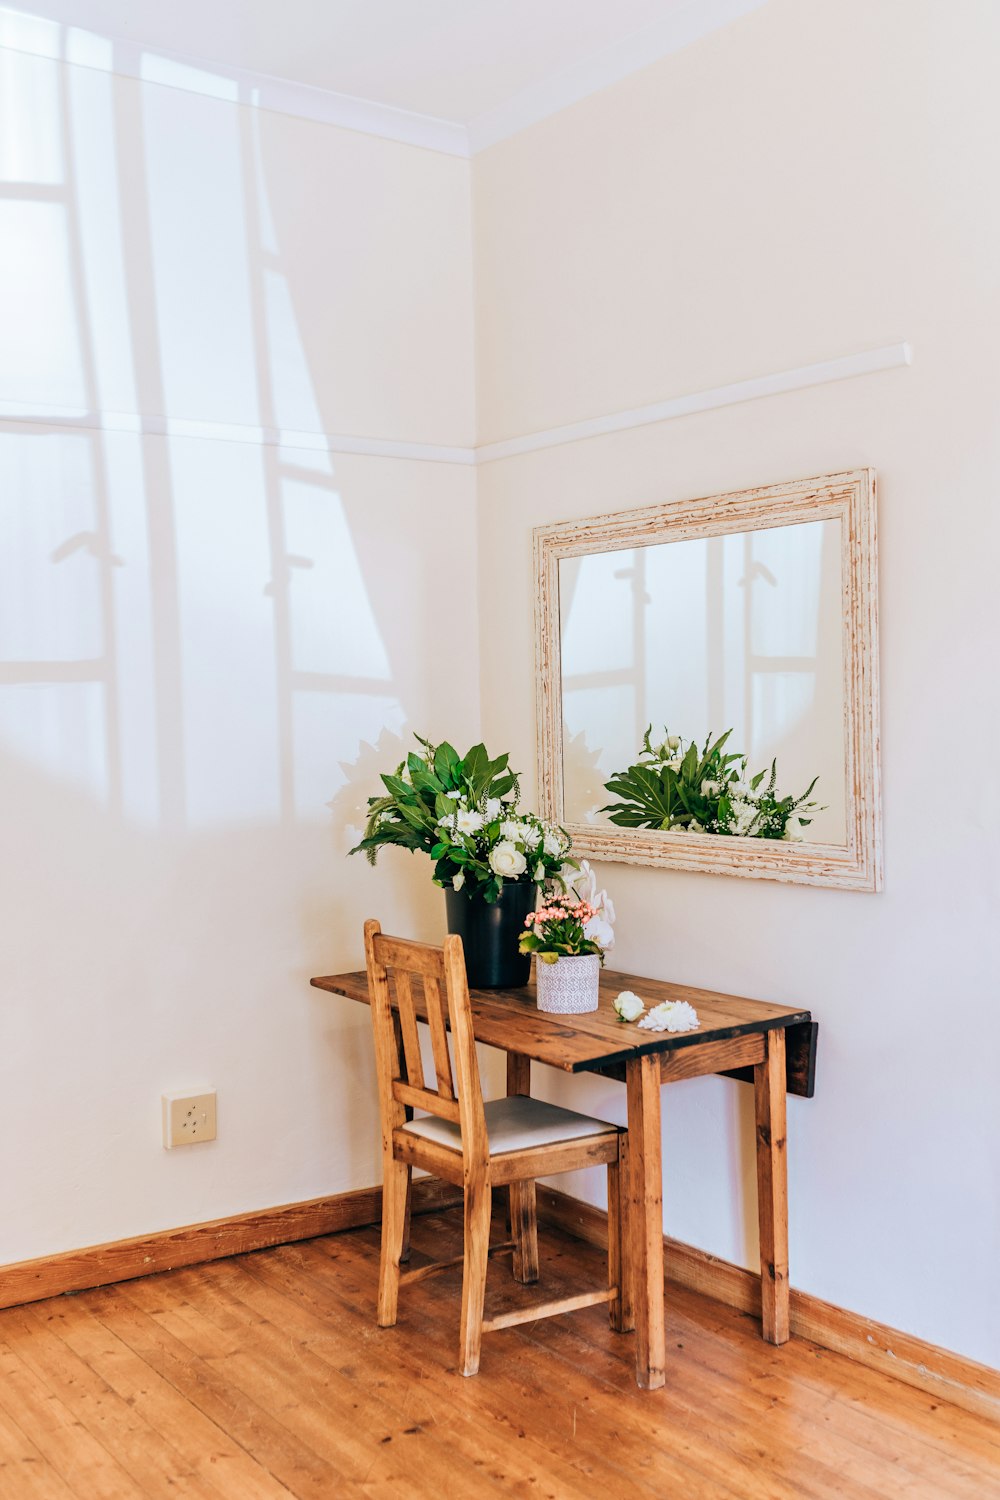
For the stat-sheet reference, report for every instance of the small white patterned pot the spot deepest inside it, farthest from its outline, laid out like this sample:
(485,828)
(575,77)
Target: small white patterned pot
(569,986)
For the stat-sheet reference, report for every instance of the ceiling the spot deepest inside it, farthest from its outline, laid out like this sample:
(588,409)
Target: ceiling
(455,60)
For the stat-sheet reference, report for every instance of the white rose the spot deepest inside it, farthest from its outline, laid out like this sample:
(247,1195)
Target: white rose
(507,861)
(794,832)
(629,1006)
(459,880)
(494,807)
(600,931)
(468,821)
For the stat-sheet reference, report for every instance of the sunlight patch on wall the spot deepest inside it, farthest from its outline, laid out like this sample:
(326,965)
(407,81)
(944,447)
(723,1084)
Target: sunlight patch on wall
(39,346)
(30,142)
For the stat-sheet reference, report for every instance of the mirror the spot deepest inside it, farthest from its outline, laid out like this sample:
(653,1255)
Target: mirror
(661,630)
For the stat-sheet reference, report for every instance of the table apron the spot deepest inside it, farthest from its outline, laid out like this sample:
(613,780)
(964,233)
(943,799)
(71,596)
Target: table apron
(700,1059)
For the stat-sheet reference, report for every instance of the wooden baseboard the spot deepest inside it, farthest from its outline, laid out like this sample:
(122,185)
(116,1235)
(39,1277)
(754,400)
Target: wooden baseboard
(938,1372)
(123,1260)
(947,1376)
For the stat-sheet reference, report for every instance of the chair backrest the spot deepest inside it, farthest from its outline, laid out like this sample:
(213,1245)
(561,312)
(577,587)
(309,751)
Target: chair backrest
(440,973)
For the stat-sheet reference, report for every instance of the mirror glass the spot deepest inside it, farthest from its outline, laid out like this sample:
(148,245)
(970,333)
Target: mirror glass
(740,632)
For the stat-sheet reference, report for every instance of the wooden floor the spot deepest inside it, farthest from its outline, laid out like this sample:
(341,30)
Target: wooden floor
(265,1376)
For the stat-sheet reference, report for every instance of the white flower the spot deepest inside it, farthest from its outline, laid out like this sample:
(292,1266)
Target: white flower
(710,789)
(695,827)
(673,741)
(741,789)
(529,835)
(794,832)
(468,821)
(510,828)
(584,883)
(493,808)
(539,871)
(605,905)
(507,860)
(672,1015)
(447,821)
(675,764)
(629,1006)
(552,844)
(678,828)
(459,880)
(600,931)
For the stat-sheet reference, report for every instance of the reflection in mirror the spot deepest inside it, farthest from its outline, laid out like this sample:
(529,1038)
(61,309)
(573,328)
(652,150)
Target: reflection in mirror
(738,632)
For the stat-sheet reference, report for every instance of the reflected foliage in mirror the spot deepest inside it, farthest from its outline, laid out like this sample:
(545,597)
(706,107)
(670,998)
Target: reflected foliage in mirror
(707,682)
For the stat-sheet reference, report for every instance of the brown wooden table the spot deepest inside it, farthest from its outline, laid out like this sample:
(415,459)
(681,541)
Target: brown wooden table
(740,1038)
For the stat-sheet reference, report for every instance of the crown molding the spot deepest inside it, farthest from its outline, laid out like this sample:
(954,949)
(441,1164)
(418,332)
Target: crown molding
(687,23)
(193,75)
(868,362)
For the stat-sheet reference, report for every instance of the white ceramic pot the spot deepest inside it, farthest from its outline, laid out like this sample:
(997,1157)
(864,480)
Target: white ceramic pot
(569,986)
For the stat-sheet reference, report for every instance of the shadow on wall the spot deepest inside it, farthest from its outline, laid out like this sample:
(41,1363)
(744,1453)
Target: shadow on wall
(185,626)
(198,648)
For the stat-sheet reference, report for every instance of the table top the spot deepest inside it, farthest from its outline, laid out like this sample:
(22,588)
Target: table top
(510,1020)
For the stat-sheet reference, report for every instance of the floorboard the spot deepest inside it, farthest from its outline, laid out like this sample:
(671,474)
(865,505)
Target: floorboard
(264,1377)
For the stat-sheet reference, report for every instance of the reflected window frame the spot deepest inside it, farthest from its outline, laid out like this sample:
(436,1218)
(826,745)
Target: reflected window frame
(849,497)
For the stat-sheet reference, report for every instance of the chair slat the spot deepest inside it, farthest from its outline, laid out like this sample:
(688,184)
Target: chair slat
(439,1037)
(445,1109)
(408,1027)
(415,958)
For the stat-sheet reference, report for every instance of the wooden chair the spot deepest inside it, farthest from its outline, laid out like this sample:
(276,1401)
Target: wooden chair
(507,1142)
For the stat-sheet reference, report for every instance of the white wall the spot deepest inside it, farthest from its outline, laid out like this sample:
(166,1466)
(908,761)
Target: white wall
(202,642)
(815,180)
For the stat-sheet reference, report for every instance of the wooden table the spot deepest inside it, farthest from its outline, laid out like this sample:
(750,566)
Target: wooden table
(740,1038)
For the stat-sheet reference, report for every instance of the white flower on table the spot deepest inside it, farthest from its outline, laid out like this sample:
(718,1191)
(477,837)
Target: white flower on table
(671,1015)
(629,1006)
(508,861)
(467,821)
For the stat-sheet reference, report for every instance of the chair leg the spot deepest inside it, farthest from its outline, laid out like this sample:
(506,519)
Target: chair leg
(619,1263)
(478,1209)
(395,1185)
(524,1231)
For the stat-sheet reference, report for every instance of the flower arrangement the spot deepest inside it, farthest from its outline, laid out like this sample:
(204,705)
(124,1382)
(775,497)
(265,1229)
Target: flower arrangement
(462,812)
(579,922)
(676,787)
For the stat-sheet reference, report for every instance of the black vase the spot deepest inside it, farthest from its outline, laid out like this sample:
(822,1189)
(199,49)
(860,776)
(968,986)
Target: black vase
(489,934)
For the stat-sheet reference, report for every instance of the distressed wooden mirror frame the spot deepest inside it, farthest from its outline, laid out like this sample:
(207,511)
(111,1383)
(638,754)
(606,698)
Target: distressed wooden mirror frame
(849,497)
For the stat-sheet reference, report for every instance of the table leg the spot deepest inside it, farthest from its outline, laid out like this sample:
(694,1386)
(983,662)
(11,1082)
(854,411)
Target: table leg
(522,1212)
(772,1187)
(645,1218)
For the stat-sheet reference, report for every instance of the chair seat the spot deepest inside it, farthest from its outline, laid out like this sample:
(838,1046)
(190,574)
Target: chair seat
(516,1124)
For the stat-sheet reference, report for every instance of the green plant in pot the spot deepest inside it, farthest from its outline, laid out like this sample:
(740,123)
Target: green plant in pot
(461,810)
